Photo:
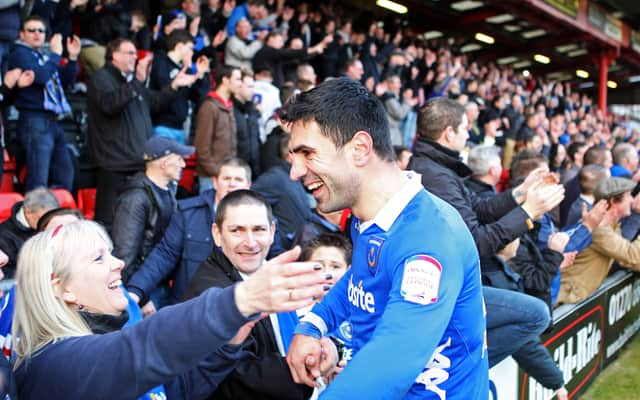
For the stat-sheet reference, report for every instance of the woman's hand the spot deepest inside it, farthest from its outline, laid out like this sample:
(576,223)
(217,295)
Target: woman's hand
(281,285)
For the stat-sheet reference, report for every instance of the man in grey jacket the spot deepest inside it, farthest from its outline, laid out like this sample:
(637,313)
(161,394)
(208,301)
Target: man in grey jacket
(240,48)
(397,107)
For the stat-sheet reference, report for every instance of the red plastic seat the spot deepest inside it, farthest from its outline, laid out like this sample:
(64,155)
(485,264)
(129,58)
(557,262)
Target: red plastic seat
(7,201)
(87,202)
(188,177)
(9,175)
(6,186)
(65,198)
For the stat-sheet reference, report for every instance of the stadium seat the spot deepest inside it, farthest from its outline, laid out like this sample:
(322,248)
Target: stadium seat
(188,177)
(87,202)
(9,175)
(65,198)
(7,201)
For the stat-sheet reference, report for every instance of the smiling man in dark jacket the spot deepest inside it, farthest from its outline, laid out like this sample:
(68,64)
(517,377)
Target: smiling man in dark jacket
(244,231)
(119,118)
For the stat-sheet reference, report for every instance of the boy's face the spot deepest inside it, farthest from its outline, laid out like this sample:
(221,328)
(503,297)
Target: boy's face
(332,260)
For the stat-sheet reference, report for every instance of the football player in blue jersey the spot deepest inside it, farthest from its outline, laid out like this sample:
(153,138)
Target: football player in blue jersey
(413,294)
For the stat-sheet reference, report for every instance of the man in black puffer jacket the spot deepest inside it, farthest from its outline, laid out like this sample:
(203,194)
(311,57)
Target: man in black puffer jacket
(147,202)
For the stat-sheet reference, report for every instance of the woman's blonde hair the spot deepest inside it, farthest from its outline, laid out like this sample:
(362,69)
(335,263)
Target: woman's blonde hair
(41,315)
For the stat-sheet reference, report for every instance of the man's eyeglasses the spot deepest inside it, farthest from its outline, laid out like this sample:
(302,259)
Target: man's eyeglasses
(34,30)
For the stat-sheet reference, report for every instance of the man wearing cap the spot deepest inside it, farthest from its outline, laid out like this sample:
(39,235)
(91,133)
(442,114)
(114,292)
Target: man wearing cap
(592,266)
(147,201)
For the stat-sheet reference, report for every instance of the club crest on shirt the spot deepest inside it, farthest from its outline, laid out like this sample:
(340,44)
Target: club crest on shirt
(421,279)
(373,253)
(345,330)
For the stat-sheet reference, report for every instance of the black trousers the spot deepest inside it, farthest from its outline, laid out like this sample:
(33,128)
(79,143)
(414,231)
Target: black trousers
(108,185)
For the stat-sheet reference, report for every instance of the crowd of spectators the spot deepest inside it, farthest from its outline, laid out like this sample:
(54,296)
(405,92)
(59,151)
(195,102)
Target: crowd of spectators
(545,182)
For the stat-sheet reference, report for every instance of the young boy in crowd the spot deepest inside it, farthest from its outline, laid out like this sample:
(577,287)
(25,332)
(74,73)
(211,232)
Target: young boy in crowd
(333,252)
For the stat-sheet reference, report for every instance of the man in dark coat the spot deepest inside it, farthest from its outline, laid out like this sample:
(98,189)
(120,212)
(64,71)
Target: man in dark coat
(243,232)
(247,119)
(443,132)
(119,118)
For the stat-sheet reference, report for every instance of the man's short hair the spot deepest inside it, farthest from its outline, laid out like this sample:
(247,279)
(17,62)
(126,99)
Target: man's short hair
(57,212)
(481,158)
(257,2)
(283,145)
(525,162)
(399,150)
(388,77)
(589,177)
(621,151)
(594,155)
(33,18)
(178,36)
(140,15)
(327,240)
(436,115)
(241,197)
(224,71)
(234,162)
(114,46)
(342,107)
(40,199)
(470,104)
(351,62)
(246,73)
(272,34)
(287,91)
(573,149)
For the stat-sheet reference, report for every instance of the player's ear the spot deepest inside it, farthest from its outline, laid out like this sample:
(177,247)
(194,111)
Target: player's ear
(361,148)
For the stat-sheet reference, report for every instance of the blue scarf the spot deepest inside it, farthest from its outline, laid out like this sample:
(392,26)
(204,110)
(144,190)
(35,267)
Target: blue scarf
(135,316)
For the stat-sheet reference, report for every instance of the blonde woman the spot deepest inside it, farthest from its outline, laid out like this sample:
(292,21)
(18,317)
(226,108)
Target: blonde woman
(69,287)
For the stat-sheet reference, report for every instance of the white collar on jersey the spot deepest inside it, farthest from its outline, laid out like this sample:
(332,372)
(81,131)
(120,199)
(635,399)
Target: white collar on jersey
(392,209)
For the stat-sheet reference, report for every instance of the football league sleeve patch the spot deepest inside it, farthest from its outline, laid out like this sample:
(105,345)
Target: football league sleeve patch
(421,277)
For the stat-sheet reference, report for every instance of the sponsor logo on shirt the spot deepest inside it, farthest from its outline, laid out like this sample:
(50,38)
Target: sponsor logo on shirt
(360,298)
